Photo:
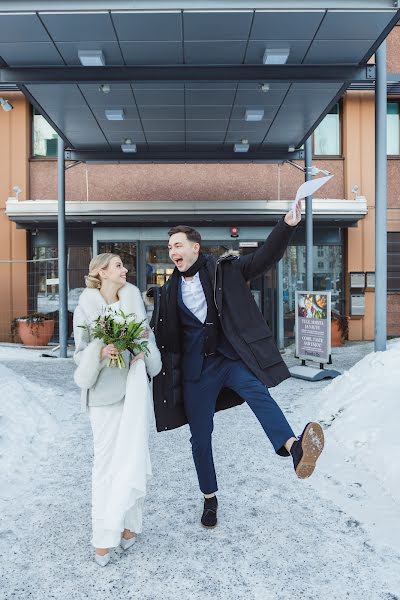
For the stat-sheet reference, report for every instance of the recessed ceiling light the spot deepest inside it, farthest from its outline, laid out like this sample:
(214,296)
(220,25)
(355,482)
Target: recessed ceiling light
(291,148)
(264,87)
(276,56)
(254,115)
(242,147)
(127,146)
(91,58)
(105,88)
(114,114)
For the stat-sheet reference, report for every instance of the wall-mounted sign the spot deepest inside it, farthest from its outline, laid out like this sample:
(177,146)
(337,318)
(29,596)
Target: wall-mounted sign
(313,326)
(357,280)
(52,281)
(248,244)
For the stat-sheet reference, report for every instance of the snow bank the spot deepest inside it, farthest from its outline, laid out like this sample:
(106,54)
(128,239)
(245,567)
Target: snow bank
(26,428)
(361,414)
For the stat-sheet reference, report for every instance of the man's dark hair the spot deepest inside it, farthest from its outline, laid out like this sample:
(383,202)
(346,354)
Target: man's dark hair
(192,234)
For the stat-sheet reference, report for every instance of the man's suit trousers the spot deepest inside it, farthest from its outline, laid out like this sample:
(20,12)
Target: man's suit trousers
(200,399)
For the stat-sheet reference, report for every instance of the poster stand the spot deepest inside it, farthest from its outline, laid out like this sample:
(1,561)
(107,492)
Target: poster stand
(313,336)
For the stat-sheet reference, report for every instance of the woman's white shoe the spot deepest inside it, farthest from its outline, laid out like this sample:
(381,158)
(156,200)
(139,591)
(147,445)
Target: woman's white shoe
(102,561)
(125,544)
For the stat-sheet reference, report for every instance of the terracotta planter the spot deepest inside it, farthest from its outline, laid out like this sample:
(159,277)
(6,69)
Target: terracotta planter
(36,334)
(336,334)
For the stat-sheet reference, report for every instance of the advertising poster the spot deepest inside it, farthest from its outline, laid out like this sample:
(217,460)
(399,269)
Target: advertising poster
(313,326)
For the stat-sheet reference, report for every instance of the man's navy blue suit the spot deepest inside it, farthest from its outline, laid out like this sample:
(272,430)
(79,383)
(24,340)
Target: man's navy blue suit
(203,379)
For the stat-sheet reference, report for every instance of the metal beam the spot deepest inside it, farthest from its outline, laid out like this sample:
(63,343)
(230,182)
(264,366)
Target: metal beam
(186,73)
(62,258)
(380,202)
(153,156)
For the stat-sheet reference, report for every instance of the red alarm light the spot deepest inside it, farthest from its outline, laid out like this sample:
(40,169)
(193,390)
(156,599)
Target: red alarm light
(234,232)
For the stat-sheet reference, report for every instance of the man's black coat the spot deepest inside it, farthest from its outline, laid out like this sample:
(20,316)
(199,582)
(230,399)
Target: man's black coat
(241,321)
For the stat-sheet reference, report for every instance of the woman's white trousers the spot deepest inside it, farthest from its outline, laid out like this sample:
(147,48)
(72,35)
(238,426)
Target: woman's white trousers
(121,463)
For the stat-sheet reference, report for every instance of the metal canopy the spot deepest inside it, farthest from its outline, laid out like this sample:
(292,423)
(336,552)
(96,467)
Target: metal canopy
(184,75)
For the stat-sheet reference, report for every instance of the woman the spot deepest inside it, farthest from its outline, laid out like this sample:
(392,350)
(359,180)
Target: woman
(119,405)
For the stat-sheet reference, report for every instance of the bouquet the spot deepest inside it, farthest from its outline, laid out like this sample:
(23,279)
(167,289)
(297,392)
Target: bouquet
(115,327)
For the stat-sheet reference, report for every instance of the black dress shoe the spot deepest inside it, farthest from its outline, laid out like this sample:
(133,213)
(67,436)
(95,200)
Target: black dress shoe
(306,450)
(209,516)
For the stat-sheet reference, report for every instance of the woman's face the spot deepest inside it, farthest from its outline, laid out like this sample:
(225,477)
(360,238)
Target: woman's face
(115,272)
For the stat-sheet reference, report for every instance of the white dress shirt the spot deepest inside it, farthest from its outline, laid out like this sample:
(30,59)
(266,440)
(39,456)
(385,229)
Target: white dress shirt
(194,298)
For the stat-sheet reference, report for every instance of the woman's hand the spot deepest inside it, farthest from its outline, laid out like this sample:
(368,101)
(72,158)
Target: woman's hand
(145,334)
(109,351)
(139,356)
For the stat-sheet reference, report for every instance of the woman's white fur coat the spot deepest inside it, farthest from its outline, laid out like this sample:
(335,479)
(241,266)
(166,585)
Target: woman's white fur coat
(101,386)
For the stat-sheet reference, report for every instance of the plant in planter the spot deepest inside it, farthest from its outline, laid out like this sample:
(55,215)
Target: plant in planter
(339,328)
(35,329)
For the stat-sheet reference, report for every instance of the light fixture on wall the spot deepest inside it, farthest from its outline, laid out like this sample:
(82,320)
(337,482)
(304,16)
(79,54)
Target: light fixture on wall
(127,146)
(276,56)
(17,190)
(91,58)
(114,114)
(243,146)
(254,115)
(5,104)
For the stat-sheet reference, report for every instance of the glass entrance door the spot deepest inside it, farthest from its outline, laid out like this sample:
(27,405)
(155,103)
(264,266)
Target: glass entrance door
(158,269)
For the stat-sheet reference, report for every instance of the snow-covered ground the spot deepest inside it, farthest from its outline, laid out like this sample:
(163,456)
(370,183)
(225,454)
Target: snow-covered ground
(333,536)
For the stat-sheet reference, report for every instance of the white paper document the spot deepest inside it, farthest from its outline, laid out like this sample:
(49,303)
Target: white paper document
(308,188)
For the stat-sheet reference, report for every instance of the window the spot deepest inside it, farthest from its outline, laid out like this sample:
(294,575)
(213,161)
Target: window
(327,134)
(393,128)
(44,142)
(393,261)
(320,265)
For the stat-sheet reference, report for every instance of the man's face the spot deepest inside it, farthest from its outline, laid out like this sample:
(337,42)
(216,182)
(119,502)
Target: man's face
(182,252)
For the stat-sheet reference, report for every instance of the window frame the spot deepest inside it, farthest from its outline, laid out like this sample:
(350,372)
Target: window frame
(396,100)
(338,156)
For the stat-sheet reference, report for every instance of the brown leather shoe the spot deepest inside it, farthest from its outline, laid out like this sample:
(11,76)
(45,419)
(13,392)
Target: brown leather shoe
(306,450)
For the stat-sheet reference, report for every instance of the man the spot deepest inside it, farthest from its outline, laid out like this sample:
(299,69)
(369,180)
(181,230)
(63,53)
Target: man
(218,352)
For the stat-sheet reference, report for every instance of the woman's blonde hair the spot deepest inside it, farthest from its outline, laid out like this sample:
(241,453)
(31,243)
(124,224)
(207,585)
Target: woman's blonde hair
(101,261)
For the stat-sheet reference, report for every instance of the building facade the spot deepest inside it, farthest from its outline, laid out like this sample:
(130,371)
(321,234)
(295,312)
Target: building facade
(128,208)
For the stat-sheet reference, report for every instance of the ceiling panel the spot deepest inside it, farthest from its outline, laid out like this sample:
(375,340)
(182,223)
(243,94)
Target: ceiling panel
(152,53)
(217,25)
(162,112)
(354,25)
(148,26)
(207,124)
(337,51)
(165,136)
(62,96)
(252,95)
(153,125)
(117,96)
(30,54)
(209,97)
(253,137)
(22,28)
(111,51)
(74,27)
(215,53)
(136,135)
(120,126)
(297,50)
(208,112)
(205,136)
(238,111)
(158,97)
(285,24)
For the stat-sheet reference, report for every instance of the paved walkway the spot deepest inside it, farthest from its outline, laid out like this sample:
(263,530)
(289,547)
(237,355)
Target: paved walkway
(276,539)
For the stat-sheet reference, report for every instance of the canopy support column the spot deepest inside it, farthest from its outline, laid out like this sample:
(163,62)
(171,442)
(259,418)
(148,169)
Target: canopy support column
(309,217)
(380,201)
(62,260)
